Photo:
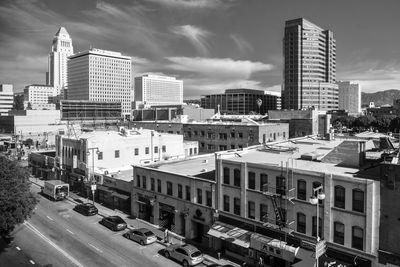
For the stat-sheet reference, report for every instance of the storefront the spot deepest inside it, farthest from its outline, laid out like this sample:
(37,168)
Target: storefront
(166,217)
(231,240)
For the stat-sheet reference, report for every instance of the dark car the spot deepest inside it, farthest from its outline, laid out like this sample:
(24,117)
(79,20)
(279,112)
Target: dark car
(114,223)
(87,209)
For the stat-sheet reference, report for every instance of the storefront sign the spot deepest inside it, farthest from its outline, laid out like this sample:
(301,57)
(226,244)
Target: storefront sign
(198,215)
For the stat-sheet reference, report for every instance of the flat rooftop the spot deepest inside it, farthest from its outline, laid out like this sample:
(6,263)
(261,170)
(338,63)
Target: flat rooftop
(199,166)
(291,151)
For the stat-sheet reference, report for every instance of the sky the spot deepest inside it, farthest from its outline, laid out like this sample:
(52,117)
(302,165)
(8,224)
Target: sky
(212,45)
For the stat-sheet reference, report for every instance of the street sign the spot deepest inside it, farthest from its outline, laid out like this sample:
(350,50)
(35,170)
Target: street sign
(320,248)
(93,186)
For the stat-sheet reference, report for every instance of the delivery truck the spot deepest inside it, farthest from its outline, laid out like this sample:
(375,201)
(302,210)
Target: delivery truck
(56,189)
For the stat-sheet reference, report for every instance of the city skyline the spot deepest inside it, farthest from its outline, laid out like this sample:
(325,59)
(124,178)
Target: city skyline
(193,42)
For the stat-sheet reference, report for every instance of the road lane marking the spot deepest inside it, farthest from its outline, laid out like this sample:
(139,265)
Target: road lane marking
(36,231)
(48,217)
(96,248)
(32,262)
(69,231)
(18,248)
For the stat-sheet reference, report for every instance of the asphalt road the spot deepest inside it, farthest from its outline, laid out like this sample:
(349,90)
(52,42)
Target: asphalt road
(58,236)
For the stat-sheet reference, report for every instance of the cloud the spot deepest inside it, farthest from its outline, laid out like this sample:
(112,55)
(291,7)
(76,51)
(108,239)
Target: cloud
(195,35)
(218,67)
(373,75)
(195,4)
(214,75)
(244,46)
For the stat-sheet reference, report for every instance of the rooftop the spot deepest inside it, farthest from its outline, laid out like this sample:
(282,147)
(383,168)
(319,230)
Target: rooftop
(298,154)
(202,166)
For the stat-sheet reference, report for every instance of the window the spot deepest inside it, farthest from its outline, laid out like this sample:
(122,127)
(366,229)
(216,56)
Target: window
(338,233)
(116,152)
(236,177)
(252,180)
(357,240)
(263,182)
(209,135)
(314,226)
(236,206)
(301,189)
(226,175)
(232,134)
(138,180)
(147,150)
(152,184)
(136,151)
(263,213)
(208,198)
(358,200)
(280,185)
(144,182)
(251,210)
(199,196)
(158,185)
(240,135)
(100,155)
(340,195)
(180,191)
(187,188)
(301,223)
(164,149)
(156,149)
(169,188)
(226,203)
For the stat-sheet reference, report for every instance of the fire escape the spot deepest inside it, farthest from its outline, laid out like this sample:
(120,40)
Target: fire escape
(281,197)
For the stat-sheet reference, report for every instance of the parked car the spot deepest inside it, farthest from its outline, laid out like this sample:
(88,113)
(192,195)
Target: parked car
(142,235)
(219,265)
(114,223)
(186,254)
(87,209)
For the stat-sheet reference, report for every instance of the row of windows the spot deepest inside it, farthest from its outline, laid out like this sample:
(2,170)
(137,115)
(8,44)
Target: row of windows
(136,152)
(141,182)
(339,191)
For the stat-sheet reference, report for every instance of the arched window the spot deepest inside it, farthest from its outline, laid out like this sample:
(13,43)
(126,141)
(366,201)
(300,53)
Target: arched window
(358,200)
(301,189)
(263,182)
(236,177)
(338,233)
(340,197)
(226,175)
(251,180)
(357,238)
(301,222)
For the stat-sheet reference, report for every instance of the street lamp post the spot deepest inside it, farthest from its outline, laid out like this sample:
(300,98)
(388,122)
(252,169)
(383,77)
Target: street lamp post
(92,182)
(314,200)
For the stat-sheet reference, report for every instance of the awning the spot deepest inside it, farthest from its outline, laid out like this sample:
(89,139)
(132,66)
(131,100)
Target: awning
(121,196)
(104,189)
(230,233)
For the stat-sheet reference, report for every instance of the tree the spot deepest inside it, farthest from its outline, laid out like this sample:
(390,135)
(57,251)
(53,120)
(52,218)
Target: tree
(364,122)
(382,123)
(16,200)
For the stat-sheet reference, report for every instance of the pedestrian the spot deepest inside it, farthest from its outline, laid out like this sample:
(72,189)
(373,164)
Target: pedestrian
(166,236)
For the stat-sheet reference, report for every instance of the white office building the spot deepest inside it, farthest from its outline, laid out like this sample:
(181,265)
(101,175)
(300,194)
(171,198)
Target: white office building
(61,49)
(350,97)
(156,90)
(100,75)
(40,96)
(6,98)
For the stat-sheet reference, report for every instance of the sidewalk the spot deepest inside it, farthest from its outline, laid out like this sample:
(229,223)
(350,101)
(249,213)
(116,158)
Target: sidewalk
(138,223)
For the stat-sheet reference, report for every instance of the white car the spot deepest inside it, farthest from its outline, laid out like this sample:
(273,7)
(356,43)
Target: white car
(186,254)
(142,235)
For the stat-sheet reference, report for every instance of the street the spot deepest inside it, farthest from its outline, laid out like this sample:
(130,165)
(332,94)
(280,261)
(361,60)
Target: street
(56,235)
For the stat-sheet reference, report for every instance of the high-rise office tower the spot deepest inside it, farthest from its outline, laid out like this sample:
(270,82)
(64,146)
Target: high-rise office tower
(61,49)
(309,67)
(6,98)
(102,76)
(156,90)
(350,97)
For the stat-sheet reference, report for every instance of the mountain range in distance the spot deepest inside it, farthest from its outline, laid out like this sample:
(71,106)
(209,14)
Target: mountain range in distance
(380,98)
